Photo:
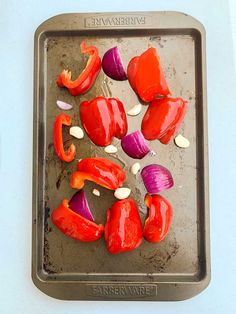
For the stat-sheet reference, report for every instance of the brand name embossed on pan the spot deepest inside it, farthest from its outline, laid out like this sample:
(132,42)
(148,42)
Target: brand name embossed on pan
(119,290)
(115,21)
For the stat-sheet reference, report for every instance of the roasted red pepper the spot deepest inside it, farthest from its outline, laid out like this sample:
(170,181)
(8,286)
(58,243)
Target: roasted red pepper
(119,115)
(69,155)
(103,118)
(75,225)
(163,118)
(86,79)
(99,170)
(158,222)
(98,121)
(146,76)
(123,230)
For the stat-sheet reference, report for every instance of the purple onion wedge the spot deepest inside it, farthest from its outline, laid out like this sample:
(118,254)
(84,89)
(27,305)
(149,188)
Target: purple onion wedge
(135,145)
(113,66)
(156,178)
(63,105)
(79,204)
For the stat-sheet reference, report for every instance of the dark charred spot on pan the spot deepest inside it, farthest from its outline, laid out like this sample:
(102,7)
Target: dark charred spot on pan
(158,259)
(46,216)
(50,146)
(158,40)
(64,173)
(155,38)
(48,266)
(49,43)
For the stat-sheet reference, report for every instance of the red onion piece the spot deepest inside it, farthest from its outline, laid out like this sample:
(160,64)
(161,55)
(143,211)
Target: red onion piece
(135,145)
(113,66)
(156,178)
(79,204)
(63,105)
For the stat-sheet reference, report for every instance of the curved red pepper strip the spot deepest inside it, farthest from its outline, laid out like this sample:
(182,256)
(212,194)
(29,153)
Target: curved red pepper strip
(86,79)
(74,225)
(69,155)
(131,72)
(158,222)
(146,76)
(123,230)
(99,170)
(163,118)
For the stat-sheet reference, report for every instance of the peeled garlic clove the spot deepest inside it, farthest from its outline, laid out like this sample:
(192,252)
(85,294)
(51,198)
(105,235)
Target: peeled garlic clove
(135,110)
(96,192)
(181,141)
(122,193)
(135,168)
(77,132)
(111,149)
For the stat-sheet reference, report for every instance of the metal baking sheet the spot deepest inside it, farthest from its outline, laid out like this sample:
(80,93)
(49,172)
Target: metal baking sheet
(179,266)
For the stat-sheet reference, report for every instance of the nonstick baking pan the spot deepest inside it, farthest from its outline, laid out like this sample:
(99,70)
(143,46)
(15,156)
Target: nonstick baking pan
(176,268)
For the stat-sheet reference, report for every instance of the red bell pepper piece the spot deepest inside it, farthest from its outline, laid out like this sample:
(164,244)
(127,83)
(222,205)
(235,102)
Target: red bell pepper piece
(86,79)
(69,155)
(74,225)
(123,230)
(103,118)
(146,76)
(99,170)
(158,222)
(98,121)
(163,118)
(119,115)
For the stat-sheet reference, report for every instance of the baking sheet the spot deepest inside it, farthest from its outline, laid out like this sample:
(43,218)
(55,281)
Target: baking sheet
(176,268)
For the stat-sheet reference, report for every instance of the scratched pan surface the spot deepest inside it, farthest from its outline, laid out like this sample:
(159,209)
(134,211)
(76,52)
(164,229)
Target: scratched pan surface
(178,267)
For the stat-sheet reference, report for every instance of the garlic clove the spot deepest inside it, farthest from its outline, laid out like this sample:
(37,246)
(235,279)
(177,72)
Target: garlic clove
(182,141)
(111,149)
(122,193)
(135,168)
(135,110)
(77,132)
(96,192)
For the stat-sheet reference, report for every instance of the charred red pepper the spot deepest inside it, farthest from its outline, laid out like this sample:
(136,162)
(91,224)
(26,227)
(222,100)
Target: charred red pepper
(75,225)
(69,154)
(103,118)
(99,170)
(146,76)
(86,79)
(163,118)
(158,222)
(123,230)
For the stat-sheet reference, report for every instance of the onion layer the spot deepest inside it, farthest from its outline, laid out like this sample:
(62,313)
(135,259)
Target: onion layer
(113,66)
(156,178)
(135,145)
(79,204)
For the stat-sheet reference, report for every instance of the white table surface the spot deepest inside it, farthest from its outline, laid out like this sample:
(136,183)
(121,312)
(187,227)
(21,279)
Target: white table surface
(18,21)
